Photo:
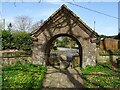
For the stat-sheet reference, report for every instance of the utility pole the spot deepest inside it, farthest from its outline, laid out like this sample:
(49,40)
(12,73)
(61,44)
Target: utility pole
(94,25)
(4,23)
(118,30)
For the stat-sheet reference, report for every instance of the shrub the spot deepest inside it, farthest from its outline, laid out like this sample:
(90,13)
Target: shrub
(7,40)
(18,40)
(22,40)
(118,36)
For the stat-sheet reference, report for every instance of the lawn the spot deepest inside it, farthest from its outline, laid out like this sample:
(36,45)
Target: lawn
(101,76)
(23,75)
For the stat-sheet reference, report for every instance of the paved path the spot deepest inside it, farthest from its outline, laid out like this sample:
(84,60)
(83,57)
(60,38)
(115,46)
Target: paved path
(56,78)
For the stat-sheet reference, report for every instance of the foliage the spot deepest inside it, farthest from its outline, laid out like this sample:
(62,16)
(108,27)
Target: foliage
(102,36)
(18,40)
(7,40)
(23,39)
(2,24)
(118,36)
(118,62)
(101,76)
(23,75)
(65,41)
(109,52)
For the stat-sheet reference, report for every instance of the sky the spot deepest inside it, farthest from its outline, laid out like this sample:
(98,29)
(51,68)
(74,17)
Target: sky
(36,11)
(119,16)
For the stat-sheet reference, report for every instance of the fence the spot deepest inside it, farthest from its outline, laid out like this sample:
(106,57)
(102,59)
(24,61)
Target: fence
(109,44)
(109,50)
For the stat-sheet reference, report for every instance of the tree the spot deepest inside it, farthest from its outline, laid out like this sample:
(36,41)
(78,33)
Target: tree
(37,25)
(17,40)
(6,39)
(2,24)
(23,23)
(10,26)
(117,36)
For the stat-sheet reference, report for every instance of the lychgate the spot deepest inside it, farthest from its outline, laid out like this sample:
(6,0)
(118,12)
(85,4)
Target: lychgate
(64,23)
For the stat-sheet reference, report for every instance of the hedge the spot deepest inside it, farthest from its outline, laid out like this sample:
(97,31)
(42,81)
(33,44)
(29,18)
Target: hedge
(18,40)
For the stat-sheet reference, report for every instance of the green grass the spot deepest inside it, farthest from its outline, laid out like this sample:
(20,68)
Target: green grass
(23,75)
(101,76)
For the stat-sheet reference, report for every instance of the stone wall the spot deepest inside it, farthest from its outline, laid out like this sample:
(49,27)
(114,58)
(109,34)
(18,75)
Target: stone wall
(107,59)
(8,58)
(10,61)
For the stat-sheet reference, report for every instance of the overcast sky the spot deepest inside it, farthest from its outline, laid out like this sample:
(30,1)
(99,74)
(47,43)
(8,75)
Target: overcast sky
(37,11)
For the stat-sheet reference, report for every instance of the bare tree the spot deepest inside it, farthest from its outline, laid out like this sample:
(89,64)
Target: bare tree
(23,23)
(2,24)
(37,25)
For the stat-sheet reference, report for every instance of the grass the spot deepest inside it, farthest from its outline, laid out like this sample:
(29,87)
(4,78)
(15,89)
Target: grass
(23,75)
(101,76)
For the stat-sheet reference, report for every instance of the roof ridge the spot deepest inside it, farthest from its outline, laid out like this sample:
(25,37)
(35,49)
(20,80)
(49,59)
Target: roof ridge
(79,18)
(75,15)
(63,6)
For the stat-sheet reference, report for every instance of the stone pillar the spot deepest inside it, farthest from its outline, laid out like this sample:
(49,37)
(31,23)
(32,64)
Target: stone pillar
(89,54)
(38,55)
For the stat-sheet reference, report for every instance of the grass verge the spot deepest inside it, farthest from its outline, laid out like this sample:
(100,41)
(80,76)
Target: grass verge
(23,75)
(101,76)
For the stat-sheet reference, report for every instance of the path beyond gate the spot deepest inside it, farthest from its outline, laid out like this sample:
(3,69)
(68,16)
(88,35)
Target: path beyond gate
(64,23)
(56,78)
